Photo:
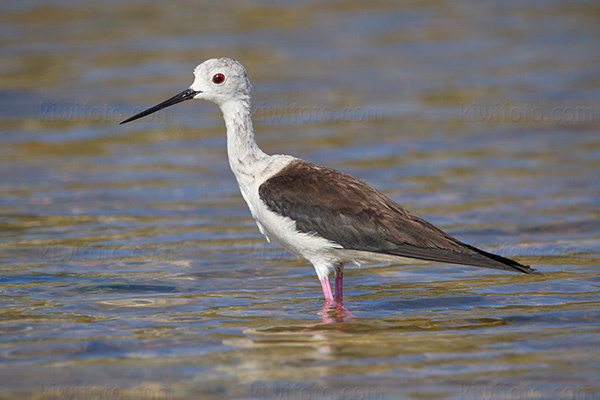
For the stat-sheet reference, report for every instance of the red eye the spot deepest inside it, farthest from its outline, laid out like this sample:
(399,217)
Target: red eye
(218,78)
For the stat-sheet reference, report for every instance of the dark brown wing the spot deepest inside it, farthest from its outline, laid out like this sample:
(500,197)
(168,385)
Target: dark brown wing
(352,213)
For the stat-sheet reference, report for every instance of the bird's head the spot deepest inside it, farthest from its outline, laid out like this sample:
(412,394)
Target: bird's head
(219,80)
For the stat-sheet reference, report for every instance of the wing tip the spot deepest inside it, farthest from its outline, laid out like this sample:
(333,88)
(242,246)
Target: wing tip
(506,263)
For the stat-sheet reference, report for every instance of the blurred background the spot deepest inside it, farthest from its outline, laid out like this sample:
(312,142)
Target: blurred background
(130,267)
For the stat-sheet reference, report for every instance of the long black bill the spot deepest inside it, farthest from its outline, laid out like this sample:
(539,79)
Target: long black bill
(178,98)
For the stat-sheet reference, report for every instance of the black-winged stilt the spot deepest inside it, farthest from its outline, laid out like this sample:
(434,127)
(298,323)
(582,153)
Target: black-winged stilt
(325,216)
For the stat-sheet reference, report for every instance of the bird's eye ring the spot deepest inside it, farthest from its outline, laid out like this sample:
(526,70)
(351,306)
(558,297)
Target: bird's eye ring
(218,78)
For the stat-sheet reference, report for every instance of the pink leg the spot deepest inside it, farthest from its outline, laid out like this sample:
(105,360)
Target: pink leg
(327,290)
(339,285)
(341,311)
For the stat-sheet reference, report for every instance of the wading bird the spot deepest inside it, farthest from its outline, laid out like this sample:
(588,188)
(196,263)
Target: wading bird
(326,216)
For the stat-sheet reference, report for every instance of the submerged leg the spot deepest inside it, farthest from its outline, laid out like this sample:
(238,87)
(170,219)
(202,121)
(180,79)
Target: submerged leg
(327,289)
(339,283)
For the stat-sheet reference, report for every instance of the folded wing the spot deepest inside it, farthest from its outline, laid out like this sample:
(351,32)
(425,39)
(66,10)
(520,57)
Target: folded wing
(352,213)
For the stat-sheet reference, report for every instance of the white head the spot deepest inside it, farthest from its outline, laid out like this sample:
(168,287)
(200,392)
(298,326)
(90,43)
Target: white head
(219,80)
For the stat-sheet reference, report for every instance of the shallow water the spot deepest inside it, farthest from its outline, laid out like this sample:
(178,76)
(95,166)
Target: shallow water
(131,268)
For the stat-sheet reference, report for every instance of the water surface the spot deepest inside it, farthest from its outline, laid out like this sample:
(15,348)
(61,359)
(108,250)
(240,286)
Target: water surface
(131,268)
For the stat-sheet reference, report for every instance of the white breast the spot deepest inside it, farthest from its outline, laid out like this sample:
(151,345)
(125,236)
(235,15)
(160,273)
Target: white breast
(280,229)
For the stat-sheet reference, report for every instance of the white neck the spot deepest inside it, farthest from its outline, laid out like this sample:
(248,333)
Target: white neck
(242,150)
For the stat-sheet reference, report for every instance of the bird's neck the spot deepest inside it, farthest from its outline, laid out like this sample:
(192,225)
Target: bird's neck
(242,149)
